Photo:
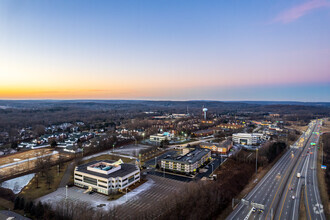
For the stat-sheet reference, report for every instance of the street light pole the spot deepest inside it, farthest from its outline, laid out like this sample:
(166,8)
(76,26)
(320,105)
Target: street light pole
(155,162)
(257,161)
(126,194)
(66,192)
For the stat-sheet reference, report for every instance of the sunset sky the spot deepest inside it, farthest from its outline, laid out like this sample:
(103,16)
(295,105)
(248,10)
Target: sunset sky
(165,49)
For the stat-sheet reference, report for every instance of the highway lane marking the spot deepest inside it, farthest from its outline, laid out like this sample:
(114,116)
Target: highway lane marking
(248,215)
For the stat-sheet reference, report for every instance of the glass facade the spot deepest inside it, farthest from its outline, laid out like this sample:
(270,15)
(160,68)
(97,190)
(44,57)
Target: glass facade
(90,180)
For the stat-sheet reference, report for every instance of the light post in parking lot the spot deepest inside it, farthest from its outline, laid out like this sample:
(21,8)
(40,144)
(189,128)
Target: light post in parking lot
(66,192)
(212,168)
(155,162)
(126,194)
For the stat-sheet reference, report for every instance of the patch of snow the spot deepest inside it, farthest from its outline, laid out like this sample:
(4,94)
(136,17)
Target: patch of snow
(17,184)
(134,194)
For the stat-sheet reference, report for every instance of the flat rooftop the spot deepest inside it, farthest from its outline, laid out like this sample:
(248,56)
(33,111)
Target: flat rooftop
(124,170)
(190,157)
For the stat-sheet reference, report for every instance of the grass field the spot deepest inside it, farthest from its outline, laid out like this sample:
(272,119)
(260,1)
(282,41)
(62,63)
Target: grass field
(326,126)
(31,192)
(302,207)
(297,127)
(24,155)
(28,165)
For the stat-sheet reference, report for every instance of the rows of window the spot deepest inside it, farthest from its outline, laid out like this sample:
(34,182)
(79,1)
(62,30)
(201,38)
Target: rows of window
(90,180)
(102,186)
(102,181)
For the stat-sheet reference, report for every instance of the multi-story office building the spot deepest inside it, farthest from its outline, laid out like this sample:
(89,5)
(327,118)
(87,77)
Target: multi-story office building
(247,139)
(106,176)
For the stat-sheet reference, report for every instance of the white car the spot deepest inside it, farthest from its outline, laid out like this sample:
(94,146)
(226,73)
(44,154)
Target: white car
(293,197)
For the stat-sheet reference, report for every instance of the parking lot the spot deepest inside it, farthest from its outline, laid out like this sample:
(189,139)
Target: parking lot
(151,192)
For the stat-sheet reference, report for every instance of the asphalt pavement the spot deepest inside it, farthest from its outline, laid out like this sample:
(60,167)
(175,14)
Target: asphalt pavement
(289,205)
(268,192)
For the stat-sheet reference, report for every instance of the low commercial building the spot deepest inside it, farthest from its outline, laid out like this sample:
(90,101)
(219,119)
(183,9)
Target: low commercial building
(161,137)
(106,176)
(202,133)
(248,138)
(188,163)
(218,148)
(231,126)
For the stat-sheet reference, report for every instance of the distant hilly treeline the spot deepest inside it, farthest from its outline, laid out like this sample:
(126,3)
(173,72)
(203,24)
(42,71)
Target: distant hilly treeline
(21,113)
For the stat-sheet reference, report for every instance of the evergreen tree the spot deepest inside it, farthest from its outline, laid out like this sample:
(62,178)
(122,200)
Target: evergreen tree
(27,207)
(17,202)
(33,210)
(22,203)
(39,210)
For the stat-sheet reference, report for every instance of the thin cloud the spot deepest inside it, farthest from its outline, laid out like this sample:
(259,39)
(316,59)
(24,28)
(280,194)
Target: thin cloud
(300,10)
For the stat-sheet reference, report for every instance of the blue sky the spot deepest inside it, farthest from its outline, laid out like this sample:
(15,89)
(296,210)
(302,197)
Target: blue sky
(180,50)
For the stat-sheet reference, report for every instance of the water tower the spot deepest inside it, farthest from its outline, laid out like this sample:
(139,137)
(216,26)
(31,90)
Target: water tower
(205,110)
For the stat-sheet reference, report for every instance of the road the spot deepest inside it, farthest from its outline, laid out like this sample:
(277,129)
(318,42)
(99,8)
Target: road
(288,207)
(268,191)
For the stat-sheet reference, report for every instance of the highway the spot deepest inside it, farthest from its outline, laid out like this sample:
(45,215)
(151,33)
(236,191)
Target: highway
(314,204)
(306,166)
(268,192)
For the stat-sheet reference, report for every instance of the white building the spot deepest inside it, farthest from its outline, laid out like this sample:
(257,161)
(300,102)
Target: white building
(248,138)
(106,176)
(161,137)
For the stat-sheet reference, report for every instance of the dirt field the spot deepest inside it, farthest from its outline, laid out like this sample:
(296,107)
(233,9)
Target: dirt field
(18,168)
(24,155)
(297,127)
(326,126)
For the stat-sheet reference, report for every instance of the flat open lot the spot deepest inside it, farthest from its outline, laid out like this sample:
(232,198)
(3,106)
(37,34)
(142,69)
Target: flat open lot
(27,161)
(24,155)
(131,149)
(326,126)
(297,127)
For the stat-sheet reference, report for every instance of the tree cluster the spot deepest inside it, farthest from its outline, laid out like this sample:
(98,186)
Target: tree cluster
(326,158)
